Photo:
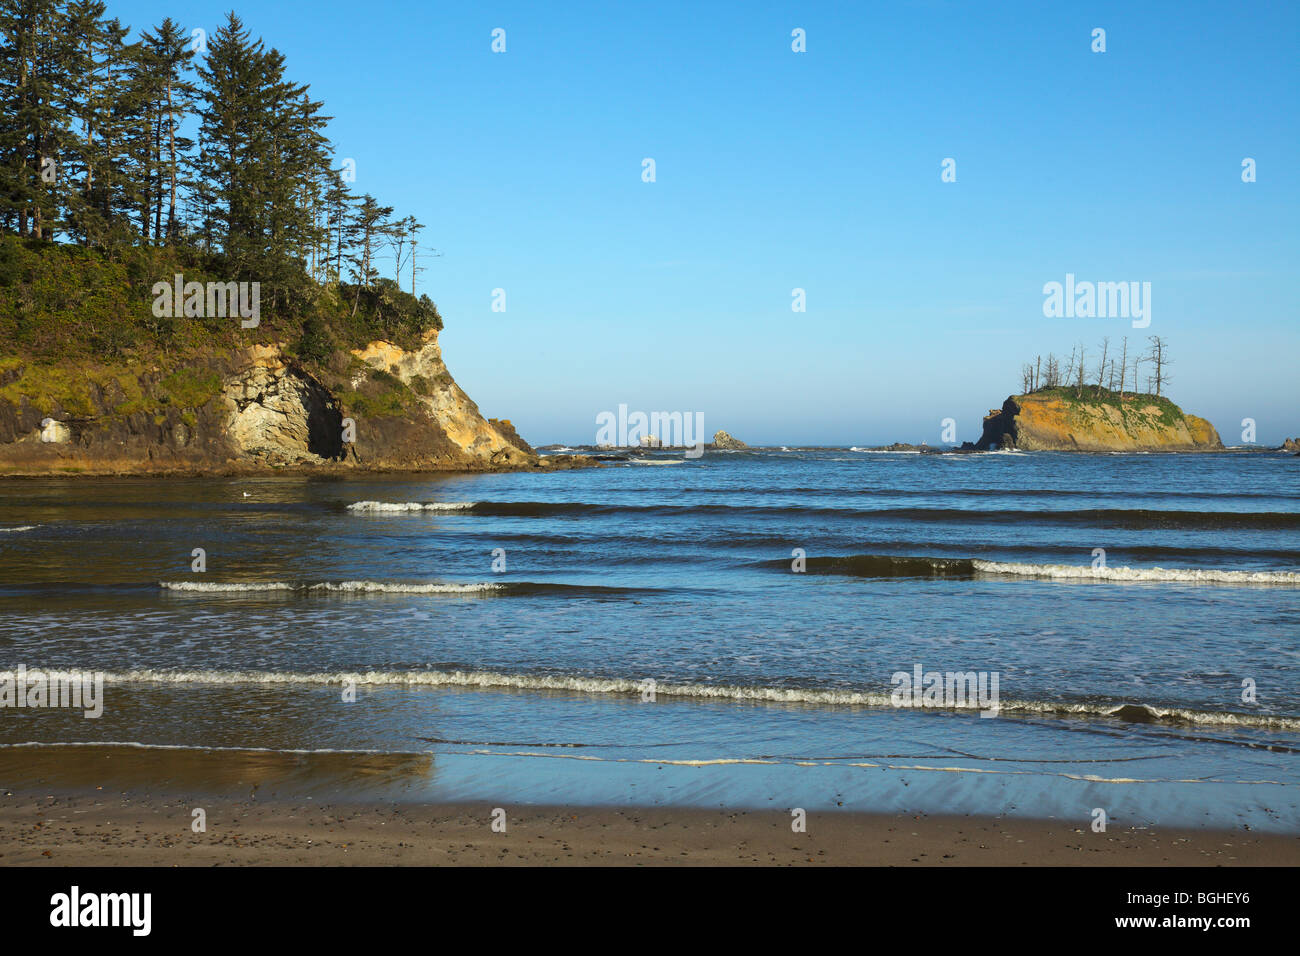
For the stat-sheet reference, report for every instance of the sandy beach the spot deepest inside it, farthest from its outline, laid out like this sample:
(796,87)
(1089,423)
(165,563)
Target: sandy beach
(126,830)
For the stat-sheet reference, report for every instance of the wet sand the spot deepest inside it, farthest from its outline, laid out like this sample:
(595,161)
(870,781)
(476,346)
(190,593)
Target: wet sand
(125,830)
(125,806)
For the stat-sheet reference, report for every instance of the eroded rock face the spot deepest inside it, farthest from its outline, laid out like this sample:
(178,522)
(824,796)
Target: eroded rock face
(392,410)
(1038,422)
(280,415)
(425,374)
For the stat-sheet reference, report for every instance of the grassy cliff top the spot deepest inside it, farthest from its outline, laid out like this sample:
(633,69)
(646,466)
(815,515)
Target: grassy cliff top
(1093,396)
(61,303)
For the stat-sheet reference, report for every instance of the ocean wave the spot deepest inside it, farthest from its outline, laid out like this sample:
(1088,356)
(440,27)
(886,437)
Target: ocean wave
(220,587)
(903,566)
(1127,518)
(884,566)
(511,588)
(217,587)
(385,587)
(369,507)
(1073,572)
(25,527)
(491,680)
(831,491)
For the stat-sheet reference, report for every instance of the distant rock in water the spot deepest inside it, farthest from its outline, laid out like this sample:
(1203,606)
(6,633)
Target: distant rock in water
(724,442)
(1291,444)
(1094,419)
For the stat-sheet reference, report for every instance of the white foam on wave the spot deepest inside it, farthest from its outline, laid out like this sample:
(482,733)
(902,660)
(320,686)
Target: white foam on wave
(218,587)
(1072,572)
(646,461)
(402,506)
(25,527)
(385,587)
(489,680)
(355,587)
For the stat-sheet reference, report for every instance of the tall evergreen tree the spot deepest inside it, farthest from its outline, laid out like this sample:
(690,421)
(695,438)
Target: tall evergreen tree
(93,149)
(227,167)
(35,72)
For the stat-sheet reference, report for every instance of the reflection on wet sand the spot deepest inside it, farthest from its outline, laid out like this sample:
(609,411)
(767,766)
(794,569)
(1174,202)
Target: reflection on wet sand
(234,772)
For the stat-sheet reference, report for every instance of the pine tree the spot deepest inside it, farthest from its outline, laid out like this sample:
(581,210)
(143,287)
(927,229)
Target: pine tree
(227,165)
(173,96)
(34,63)
(370,223)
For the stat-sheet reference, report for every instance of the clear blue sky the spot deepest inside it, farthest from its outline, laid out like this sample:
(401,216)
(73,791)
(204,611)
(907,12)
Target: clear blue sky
(820,170)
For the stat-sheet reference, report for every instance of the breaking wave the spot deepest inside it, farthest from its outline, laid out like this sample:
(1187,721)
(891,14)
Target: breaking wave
(344,586)
(365,507)
(1072,572)
(891,566)
(512,588)
(490,680)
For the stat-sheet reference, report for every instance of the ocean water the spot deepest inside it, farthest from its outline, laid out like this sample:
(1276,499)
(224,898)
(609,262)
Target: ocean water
(502,631)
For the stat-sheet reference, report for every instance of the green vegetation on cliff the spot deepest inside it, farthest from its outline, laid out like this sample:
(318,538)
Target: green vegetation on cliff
(60,302)
(76,323)
(104,194)
(1140,407)
(1094,418)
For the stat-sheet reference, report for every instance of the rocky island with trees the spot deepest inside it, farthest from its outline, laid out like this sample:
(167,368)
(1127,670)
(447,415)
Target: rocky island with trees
(1071,405)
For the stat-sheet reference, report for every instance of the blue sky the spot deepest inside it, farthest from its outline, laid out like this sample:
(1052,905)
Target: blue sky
(820,170)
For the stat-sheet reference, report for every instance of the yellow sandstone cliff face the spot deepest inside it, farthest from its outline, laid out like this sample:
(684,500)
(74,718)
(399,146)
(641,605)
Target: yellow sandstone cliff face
(1056,420)
(425,373)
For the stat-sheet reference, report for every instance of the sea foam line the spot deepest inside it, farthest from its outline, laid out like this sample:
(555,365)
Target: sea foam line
(727,761)
(1084,572)
(489,680)
(364,507)
(384,587)
(698,762)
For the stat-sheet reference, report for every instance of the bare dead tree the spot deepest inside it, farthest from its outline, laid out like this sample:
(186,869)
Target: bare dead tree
(1159,358)
(1026,379)
(1052,376)
(1101,366)
(1078,385)
(1123,368)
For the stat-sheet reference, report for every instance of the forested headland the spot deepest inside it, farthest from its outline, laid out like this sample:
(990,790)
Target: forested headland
(127,158)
